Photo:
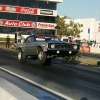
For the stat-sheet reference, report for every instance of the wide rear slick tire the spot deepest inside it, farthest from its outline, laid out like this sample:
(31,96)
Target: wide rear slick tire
(42,57)
(21,56)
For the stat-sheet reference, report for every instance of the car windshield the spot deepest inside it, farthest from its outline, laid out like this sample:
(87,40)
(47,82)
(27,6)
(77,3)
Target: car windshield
(47,38)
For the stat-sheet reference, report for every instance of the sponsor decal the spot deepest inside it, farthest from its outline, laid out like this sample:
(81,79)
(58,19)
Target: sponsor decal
(1,8)
(18,9)
(46,25)
(17,23)
(46,12)
(25,10)
(10,9)
(34,25)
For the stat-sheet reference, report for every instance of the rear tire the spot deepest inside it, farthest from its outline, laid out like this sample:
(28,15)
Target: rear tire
(21,56)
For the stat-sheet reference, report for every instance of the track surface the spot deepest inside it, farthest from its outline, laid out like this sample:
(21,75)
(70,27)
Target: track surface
(78,81)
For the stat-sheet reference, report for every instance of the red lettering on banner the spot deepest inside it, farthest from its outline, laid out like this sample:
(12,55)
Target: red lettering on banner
(46,25)
(18,9)
(7,23)
(27,10)
(17,23)
(23,24)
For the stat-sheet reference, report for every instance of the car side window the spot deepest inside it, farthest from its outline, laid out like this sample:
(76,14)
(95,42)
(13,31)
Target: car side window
(30,39)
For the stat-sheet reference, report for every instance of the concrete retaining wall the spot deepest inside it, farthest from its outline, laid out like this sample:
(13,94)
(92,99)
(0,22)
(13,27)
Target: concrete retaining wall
(94,50)
(4,95)
(11,35)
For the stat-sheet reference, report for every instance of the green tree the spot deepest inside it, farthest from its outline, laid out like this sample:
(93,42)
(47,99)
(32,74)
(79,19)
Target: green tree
(61,22)
(70,28)
(74,28)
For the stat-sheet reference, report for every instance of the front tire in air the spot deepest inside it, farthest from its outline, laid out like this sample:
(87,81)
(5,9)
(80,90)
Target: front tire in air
(42,57)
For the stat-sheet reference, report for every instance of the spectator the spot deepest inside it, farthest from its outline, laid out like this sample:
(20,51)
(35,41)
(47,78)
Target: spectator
(22,39)
(91,40)
(84,43)
(19,38)
(7,41)
(65,38)
(69,39)
(77,39)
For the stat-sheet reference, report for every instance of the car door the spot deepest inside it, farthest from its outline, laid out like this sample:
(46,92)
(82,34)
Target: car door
(33,45)
(28,46)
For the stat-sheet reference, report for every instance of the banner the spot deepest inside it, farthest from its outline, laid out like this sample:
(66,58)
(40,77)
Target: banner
(84,49)
(26,24)
(27,10)
(18,9)
(17,23)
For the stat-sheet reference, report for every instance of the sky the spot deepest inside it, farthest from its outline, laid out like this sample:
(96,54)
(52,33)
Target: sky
(79,9)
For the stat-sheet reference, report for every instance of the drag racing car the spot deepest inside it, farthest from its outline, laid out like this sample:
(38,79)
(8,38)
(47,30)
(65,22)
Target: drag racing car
(45,48)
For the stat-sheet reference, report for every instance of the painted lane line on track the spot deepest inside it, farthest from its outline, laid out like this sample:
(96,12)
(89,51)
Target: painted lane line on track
(36,84)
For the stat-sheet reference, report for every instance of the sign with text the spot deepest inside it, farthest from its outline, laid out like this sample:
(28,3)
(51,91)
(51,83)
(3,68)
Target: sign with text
(46,25)
(46,12)
(18,9)
(17,23)
(27,10)
(26,24)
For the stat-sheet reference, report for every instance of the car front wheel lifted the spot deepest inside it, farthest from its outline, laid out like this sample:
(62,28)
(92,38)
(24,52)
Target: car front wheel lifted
(42,57)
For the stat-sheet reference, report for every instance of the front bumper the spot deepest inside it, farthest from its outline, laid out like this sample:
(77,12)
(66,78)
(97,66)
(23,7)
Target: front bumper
(61,52)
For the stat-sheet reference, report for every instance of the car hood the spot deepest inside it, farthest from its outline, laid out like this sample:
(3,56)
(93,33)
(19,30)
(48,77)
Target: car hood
(59,42)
